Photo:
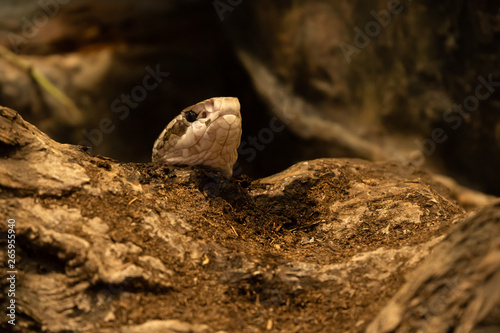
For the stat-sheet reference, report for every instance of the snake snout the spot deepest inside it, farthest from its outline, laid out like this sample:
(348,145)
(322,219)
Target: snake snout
(229,119)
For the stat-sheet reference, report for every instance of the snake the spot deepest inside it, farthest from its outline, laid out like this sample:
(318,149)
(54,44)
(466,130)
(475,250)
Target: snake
(207,134)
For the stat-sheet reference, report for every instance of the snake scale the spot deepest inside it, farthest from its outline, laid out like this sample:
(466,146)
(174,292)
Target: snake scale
(207,133)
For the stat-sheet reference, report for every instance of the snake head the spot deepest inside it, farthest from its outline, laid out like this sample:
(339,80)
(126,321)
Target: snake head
(207,133)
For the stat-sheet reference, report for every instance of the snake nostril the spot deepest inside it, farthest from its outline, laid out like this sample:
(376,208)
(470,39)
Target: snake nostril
(202,115)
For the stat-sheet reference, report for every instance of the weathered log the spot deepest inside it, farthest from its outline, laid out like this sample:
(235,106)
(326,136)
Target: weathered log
(109,246)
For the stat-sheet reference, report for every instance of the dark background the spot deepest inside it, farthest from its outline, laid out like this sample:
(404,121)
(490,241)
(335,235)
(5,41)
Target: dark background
(383,102)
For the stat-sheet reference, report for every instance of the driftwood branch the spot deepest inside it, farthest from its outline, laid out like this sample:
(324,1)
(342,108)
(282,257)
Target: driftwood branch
(457,288)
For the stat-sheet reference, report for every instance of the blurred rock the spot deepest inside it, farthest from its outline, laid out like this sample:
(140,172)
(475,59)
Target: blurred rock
(380,79)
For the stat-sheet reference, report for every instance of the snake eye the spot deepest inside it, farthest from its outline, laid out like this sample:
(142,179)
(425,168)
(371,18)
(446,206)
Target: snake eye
(190,116)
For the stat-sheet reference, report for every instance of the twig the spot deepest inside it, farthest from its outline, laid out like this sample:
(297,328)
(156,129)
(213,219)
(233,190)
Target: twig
(73,115)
